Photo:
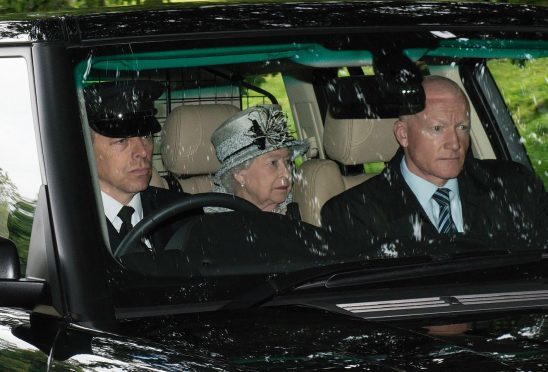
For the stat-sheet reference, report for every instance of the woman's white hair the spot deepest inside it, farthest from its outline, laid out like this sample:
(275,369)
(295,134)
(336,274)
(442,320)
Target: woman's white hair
(228,180)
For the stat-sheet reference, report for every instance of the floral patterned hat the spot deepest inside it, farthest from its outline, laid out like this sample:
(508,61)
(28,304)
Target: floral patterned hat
(253,132)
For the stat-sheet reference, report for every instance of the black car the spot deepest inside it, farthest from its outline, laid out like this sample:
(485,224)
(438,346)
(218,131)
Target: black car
(248,290)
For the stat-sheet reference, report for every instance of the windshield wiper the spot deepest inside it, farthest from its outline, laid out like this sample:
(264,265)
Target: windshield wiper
(476,261)
(381,271)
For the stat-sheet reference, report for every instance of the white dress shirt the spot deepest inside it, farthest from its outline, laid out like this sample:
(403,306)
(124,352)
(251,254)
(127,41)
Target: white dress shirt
(112,207)
(424,190)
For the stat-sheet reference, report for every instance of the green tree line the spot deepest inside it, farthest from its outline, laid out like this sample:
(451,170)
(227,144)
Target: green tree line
(16,216)
(25,6)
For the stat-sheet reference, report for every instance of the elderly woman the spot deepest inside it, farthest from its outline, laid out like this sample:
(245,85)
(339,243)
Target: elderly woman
(256,152)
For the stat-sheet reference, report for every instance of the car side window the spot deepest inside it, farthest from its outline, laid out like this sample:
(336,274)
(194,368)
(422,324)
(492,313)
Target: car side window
(19,167)
(526,97)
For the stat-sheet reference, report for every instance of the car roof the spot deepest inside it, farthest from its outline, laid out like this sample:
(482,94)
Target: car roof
(203,19)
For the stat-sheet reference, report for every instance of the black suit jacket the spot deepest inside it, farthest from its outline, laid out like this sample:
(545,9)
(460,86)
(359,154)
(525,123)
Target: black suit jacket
(152,198)
(499,199)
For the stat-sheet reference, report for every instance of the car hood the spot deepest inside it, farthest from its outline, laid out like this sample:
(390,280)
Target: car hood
(290,337)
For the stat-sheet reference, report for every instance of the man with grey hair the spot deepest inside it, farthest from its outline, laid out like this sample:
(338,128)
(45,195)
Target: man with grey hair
(434,188)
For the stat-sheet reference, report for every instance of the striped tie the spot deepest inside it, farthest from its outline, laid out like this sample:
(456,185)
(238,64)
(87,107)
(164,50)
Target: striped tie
(445,222)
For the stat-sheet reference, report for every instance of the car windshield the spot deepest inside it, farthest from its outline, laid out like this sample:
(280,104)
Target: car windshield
(340,97)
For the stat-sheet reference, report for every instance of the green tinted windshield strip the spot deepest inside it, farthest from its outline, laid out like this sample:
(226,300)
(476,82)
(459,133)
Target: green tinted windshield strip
(314,55)
(187,58)
(472,48)
(192,58)
(320,56)
(310,54)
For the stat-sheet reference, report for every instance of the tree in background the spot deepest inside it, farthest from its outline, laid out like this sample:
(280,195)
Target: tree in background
(16,216)
(19,225)
(26,6)
(18,6)
(8,193)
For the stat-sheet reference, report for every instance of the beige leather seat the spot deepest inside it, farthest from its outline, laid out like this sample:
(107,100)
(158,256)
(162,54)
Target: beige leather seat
(157,180)
(186,148)
(348,142)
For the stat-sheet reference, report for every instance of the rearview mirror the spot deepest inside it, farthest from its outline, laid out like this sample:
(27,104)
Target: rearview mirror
(394,90)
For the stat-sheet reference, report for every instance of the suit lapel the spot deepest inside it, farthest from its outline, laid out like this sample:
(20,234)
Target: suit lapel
(113,236)
(404,209)
(150,202)
(147,201)
(471,196)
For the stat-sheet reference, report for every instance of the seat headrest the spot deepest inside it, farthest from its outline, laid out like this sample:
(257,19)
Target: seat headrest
(186,138)
(358,141)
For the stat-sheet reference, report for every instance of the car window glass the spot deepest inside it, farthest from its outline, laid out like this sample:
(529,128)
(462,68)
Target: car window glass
(187,78)
(272,83)
(19,168)
(190,86)
(527,99)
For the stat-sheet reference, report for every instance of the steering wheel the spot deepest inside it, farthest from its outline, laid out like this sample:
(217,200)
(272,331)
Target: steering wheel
(191,202)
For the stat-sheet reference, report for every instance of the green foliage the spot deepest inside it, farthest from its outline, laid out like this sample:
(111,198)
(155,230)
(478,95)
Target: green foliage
(7,194)
(524,86)
(108,3)
(20,226)
(12,359)
(274,85)
(8,190)
(3,220)
(26,6)
(18,6)
(16,216)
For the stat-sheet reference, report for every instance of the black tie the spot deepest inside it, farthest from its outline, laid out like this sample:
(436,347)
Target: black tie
(445,221)
(125,215)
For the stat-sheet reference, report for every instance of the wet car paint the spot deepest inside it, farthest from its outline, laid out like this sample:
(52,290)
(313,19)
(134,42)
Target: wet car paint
(284,338)
(298,337)
(26,347)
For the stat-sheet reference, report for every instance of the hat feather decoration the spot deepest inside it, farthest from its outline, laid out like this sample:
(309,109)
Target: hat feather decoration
(272,130)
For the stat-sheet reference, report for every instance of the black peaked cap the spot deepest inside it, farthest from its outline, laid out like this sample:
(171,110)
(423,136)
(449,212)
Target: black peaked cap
(121,109)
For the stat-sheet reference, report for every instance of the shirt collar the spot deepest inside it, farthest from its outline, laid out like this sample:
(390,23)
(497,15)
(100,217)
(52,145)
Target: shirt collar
(423,189)
(112,206)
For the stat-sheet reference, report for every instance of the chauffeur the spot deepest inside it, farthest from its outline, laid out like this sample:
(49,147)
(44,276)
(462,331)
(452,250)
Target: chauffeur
(434,188)
(122,121)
